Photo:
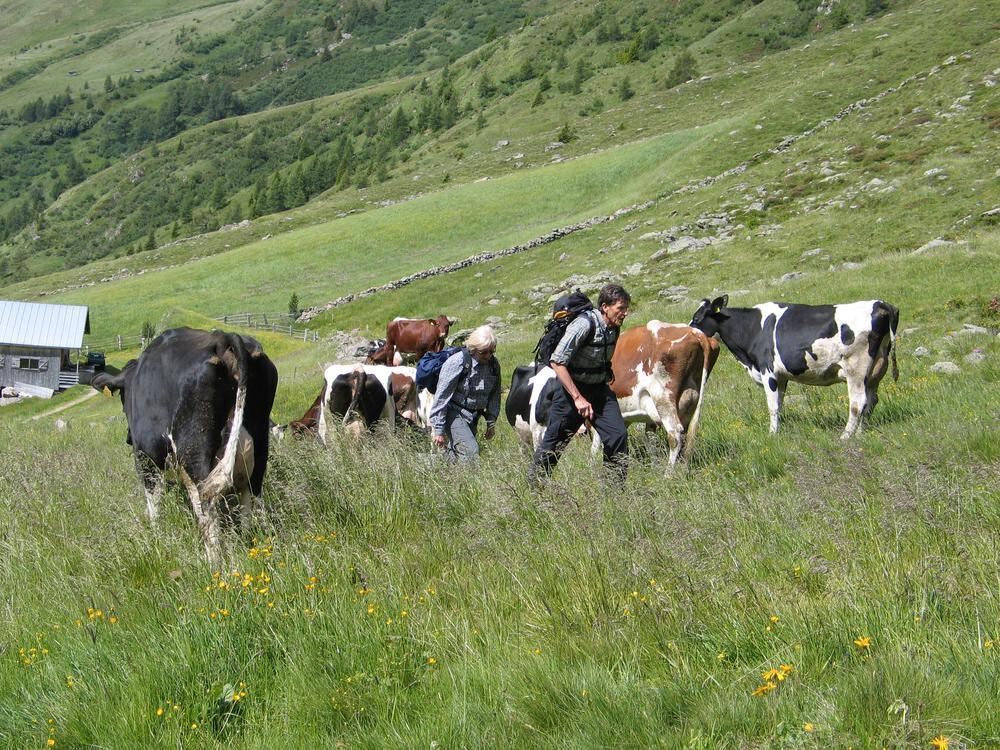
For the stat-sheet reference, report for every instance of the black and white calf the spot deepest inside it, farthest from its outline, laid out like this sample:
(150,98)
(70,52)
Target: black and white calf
(812,344)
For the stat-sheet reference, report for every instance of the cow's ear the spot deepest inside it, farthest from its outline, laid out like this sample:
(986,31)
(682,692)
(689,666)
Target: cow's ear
(719,302)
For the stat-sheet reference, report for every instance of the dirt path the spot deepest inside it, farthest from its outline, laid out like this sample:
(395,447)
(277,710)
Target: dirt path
(89,393)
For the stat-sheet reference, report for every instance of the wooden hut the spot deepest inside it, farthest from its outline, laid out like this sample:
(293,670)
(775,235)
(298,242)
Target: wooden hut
(35,345)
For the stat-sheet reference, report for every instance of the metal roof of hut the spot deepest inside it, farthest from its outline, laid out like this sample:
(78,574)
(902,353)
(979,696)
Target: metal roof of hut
(33,324)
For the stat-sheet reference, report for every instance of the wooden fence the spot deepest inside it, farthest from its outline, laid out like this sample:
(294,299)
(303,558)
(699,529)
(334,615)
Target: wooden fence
(277,322)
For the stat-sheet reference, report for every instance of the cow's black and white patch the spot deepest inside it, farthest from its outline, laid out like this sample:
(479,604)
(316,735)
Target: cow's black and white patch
(811,344)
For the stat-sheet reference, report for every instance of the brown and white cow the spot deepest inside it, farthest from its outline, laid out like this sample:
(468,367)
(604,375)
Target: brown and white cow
(198,407)
(412,336)
(661,370)
(359,396)
(660,374)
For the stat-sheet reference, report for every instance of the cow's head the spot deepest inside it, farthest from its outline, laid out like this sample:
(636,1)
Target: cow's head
(443,323)
(711,314)
(403,392)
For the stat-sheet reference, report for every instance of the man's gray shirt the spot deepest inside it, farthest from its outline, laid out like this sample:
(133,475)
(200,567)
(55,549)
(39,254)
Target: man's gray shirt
(592,357)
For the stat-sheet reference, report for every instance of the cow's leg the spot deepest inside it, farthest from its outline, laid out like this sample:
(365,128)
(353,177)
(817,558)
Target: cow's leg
(774,389)
(206,513)
(662,412)
(152,485)
(857,394)
(595,444)
(208,524)
(246,511)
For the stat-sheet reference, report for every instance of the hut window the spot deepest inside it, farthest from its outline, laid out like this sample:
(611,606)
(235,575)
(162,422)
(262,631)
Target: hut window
(28,363)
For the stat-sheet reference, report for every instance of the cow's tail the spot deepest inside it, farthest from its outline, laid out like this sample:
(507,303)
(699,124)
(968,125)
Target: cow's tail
(706,368)
(893,324)
(357,377)
(231,353)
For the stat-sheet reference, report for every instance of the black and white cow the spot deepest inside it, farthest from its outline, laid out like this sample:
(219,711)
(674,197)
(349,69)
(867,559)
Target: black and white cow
(359,396)
(529,401)
(198,407)
(813,344)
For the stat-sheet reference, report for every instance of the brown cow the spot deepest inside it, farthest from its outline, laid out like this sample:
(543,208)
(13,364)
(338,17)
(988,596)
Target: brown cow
(660,375)
(412,336)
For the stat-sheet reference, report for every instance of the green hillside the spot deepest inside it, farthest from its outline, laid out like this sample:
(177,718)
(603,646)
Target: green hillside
(787,591)
(96,144)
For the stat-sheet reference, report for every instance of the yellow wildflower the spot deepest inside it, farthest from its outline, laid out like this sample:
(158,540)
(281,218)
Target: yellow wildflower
(862,642)
(808,727)
(431,660)
(940,742)
(51,742)
(764,689)
(159,710)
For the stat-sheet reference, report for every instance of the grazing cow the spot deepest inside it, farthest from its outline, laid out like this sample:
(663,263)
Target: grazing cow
(812,344)
(412,336)
(367,349)
(198,407)
(362,395)
(660,375)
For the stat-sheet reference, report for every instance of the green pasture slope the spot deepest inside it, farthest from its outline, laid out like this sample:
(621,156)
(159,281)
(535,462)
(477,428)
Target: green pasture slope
(351,254)
(787,591)
(52,38)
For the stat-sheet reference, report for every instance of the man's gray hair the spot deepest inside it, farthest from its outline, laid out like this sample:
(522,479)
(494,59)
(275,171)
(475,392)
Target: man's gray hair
(481,339)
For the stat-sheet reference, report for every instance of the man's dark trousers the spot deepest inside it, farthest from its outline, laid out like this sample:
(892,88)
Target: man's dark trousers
(565,420)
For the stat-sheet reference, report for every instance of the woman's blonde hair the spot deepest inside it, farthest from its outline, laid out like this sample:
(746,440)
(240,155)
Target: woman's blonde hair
(481,339)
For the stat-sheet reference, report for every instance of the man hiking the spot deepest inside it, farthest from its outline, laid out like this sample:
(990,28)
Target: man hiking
(582,364)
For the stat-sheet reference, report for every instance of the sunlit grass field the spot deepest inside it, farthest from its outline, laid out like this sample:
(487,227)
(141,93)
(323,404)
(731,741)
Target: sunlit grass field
(786,591)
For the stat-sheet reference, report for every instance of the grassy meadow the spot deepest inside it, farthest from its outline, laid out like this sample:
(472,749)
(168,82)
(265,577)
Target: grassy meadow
(385,601)
(778,592)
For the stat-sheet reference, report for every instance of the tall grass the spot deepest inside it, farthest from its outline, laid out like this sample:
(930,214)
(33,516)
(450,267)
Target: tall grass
(388,600)
(788,591)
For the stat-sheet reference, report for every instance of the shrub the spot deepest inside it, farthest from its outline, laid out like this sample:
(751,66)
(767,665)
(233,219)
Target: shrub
(685,68)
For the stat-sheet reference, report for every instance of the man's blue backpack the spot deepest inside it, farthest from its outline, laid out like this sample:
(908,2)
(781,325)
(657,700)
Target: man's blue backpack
(430,364)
